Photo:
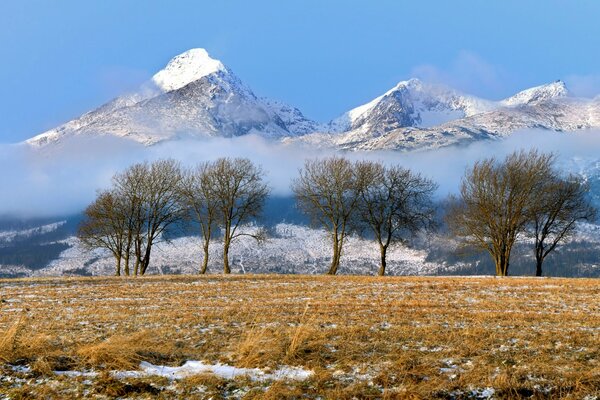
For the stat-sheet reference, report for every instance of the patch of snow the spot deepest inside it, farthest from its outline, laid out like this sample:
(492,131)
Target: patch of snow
(9,236)
(539,93)
(186,68)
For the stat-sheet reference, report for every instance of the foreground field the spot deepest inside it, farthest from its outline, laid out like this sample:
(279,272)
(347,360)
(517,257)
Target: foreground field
(299,337)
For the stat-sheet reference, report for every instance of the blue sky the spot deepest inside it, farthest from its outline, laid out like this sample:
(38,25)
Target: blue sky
(62,58)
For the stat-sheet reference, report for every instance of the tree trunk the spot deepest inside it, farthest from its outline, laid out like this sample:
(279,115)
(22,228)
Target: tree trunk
(383,251)
(127,262)
(506,262)
(538,266)
(138,257)
(118,266)
(127,255)
(501,265)
(335,260)
(146,259)
(226,268)
(205,259)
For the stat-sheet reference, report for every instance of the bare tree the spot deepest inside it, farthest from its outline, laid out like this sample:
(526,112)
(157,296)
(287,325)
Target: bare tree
(199,197)
(394,203)
(152,196)
(104,226)
(327,191)
(129,185)
(494,204)
(559,204)
(237,187)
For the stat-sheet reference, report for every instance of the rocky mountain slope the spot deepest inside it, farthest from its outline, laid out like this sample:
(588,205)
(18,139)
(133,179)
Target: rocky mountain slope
(414,115)
(195,95)
(198,96)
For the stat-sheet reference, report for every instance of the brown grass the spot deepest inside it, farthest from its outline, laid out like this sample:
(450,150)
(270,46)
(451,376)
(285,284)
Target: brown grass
(363,337)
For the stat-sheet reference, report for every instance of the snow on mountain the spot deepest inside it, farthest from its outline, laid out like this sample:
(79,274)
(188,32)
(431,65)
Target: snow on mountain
(194,95)
(186,68)
(10,235)
(295,122)
(411,103)
(538,94)
(414,115)
(198,96)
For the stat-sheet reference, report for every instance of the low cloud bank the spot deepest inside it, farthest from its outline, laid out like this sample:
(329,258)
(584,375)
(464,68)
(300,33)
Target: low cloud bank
(63,179)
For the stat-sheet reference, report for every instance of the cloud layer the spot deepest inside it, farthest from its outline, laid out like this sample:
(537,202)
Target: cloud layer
(63,179)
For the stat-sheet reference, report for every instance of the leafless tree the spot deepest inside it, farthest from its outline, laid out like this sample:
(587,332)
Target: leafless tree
(237,187)
(129,185)
(495,202)
(144,202)
(394,203)
(162,203)
(559,204)
(199,197)
(104,226)
(327,190)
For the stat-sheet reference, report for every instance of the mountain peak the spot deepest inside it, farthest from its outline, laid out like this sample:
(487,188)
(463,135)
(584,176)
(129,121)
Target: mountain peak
(185,68)
(536,94)
(411,83)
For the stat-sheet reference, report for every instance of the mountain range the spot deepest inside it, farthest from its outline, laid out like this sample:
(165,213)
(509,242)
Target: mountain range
(199,97)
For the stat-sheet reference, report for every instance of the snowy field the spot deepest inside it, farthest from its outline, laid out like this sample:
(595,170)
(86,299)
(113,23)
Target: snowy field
(288,249)
(291,336)
(296,249)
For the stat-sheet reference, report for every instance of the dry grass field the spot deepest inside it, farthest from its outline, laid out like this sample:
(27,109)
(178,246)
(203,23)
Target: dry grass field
(352,337)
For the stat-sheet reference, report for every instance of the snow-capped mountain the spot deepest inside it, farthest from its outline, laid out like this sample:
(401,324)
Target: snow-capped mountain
(415,115)
(198,96)
(194,95)
(410,103)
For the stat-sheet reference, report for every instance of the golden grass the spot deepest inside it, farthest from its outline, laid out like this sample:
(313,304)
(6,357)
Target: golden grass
(364,337)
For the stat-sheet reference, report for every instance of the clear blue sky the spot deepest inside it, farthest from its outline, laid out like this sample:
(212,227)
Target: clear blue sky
(62,58)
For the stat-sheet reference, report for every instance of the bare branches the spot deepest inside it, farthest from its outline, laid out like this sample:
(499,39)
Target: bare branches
(500,200)
(200,199)
(105,226)
(328,191)
(144,202)
(560,203)
(394,203)
(343,196)
(237,187)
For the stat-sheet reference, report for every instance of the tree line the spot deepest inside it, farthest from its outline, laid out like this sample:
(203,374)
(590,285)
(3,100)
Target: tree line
(500,201)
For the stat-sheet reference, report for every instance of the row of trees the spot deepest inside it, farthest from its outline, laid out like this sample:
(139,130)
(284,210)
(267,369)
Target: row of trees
(523,195)
(341,196)
(146,200)
(499,202)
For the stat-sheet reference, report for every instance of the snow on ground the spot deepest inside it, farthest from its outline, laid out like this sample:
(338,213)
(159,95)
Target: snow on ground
(9,236)
(190,368)
(289,249)
(224,371)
